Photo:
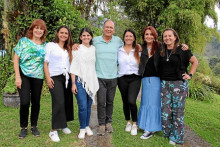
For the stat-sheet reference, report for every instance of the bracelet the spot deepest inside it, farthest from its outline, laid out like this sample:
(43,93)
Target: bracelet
(73,82)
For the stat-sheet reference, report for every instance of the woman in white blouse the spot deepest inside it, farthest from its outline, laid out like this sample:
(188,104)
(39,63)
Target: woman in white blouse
(56,68)
(129,80)
(84,79)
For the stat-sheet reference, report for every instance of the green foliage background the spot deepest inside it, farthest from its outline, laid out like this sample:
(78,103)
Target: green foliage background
(20,15)
(185,16)
(54,12)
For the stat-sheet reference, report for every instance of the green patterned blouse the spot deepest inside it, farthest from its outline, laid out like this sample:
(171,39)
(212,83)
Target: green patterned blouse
(31,57)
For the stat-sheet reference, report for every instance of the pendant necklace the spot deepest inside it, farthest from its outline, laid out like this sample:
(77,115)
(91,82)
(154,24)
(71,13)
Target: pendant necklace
(168,57)
(149,49)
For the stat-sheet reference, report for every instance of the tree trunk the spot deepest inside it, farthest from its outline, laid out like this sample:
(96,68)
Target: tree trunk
(8,6)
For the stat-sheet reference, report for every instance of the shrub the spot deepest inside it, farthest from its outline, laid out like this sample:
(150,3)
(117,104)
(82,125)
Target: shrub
(211,81)
(6,68)
(10,87)
(200,91)
(216,69)
(204,64)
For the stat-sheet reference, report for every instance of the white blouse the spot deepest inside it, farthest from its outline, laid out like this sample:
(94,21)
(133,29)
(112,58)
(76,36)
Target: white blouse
(83,66)
(127,64)
(58,60)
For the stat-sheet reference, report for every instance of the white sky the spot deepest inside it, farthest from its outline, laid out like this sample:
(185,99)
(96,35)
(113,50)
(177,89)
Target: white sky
(209,21)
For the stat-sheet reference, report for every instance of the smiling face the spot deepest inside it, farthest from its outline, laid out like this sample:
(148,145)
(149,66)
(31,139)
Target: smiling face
(38,32)
(108,29)
(86,38)
(129,38)
(148,37)
(63,35)
(169,38)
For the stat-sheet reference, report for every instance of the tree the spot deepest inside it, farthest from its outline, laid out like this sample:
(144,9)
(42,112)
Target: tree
(115,12)
(97,11)
(213,61)
(86,7)
(217,69)
(1,26)
(185,16)
(54,12)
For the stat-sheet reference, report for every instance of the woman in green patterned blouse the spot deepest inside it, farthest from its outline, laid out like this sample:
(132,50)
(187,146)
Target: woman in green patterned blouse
(28,65)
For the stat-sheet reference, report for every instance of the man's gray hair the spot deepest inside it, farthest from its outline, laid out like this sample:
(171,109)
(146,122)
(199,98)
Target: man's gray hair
(107,21)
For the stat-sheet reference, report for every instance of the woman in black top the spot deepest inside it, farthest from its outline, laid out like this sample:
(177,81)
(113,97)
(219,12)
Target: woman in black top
(174,82)
(149,117)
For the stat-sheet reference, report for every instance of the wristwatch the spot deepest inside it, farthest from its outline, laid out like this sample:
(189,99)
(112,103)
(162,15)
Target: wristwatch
(191,75)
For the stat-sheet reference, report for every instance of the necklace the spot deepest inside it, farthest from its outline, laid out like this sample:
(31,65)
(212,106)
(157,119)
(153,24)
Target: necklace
(168,56)
(149,49)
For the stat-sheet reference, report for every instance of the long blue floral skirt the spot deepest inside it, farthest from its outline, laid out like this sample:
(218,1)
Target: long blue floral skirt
(149,116)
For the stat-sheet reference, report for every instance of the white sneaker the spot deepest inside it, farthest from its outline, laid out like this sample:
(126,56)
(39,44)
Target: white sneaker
(172,142)
(89,131)
(82,134)
(66,130)
(134,130)
(54,136)
(128,127)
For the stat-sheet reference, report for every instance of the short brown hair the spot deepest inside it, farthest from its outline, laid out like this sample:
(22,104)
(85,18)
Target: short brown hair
(37,22)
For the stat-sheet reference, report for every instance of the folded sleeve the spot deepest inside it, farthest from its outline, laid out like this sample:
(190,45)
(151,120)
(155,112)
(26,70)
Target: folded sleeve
(48,50)
(20,46)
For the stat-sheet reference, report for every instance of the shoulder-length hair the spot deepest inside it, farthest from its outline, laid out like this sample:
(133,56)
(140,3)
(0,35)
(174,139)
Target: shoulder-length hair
(68,43)
(176,43)
(155,44)
(40,23)
(134,44)
(88,31)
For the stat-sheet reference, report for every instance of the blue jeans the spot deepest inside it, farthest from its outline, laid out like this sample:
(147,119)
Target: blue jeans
(84,105)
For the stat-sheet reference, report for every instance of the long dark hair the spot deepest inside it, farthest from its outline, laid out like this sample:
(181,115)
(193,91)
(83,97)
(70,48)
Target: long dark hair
(68,43)
(134,44)
(88,31)
(176,43)
(155,44)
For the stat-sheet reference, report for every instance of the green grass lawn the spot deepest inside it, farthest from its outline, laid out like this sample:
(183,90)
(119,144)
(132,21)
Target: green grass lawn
(120,138)
(10,128)
(202,117)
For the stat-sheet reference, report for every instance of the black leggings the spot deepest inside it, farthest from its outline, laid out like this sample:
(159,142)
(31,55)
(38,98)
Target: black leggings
(129,86)
(30,92)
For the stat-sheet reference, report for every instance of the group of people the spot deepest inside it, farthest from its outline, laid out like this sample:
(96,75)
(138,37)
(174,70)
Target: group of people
(94,68)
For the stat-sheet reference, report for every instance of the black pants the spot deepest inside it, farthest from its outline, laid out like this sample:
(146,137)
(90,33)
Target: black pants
(30,92)
(62,102)
(129,86)
(105,99)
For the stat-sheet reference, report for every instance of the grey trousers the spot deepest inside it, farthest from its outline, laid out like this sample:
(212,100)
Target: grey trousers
(105,99)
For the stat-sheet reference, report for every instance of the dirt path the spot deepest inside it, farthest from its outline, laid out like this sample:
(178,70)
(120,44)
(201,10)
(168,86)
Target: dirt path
(193,140)
(96,140)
